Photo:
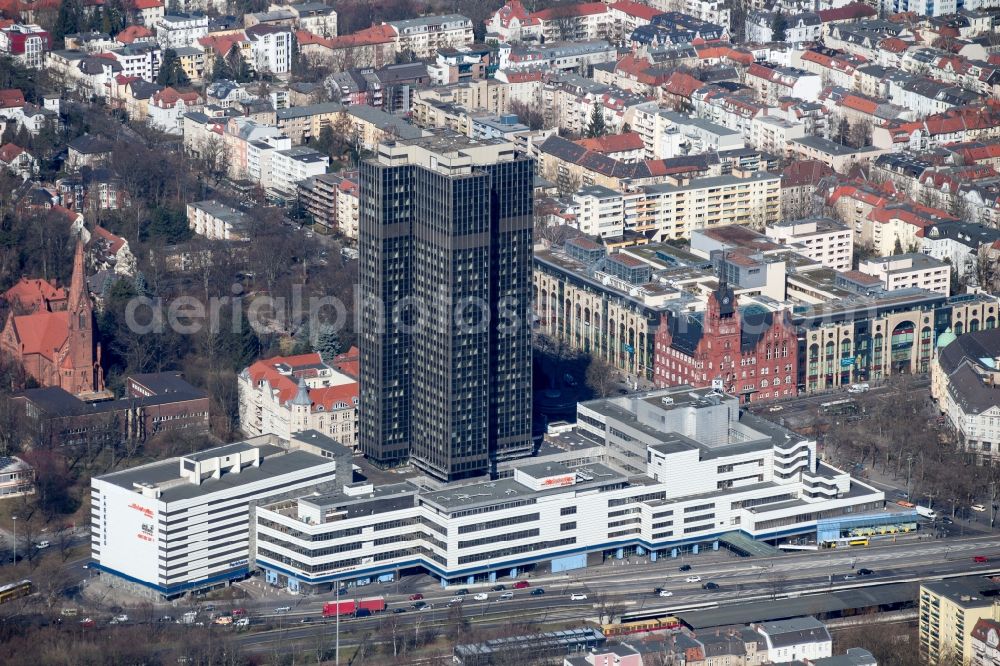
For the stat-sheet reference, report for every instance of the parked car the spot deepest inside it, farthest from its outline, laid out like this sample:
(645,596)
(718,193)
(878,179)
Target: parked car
(858,388)
(41,545)
(416,597)
(537,591)
(693,579)
(521,584)
(975,507)
(578,596)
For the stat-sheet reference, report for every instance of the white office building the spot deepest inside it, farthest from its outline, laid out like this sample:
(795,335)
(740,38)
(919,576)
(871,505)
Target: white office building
(183,524)
(914,269)
(650,474)
(822,239)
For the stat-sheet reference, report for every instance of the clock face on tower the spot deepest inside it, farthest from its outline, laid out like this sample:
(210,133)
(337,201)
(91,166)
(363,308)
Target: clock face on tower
(725,300)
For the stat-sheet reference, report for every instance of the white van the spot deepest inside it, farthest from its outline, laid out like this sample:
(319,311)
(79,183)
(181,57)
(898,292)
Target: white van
(858,388)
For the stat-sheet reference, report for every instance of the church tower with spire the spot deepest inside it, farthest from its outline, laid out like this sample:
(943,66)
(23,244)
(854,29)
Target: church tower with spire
(80,362)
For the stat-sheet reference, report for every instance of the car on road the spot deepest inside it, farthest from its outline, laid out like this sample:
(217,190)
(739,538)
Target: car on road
(849,576)
(775,408)
(237,612)
(461,592)
(87,623)
(684,567)
(537,591)
(578,596)
(666,593)
(362,612)
(947,521)
(420,605)
(41,545)
(623,391)
(521,584)
(166,618)
(865,572)
(710,586)
(242,622)
(307,619)
(416,597)
(456,600)
(693,579)
(975,507)
(208,608)
(980,559)
(858,388)
(498,588)
(398,610)
(482,596)
(507,595)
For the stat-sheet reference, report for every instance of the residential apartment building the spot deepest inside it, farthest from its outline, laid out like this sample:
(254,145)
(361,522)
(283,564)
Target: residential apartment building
(25,43)
(683,467)
(949,610)
(286,395)
(216,221)
(822,239)
(599,211)
(183,524)
(333,201)
(453,399)
(424,36)
(139,60)
(986,643)
(965,383)
(290,166)
(903,271)
(17,478)
(303,124)
(271,48)
(177,30)
(804,639)
(773,82)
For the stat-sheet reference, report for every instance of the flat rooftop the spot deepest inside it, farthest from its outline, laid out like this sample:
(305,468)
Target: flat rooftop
(165,474)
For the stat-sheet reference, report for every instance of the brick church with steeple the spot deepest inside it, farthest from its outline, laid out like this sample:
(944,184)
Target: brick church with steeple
(54,340)
(750,352)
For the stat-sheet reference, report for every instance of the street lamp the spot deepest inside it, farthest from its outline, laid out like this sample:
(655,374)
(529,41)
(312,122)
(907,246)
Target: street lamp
(14,518)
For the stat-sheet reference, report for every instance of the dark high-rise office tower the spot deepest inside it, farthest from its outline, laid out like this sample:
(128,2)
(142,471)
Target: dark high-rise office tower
(446,243)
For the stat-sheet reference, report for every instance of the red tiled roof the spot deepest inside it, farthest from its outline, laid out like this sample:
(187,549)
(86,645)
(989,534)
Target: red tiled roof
(132,33)
(115,242)
(222,44)
(147,4)
(512,10)
(855,10)
(613,143)
(32,294)
(563,11)
(682,84)
(42,333)
(168,97)
(328,396)
(10,98)
(349,362)
(524,77)
(893,45)
(859,103)
(10,151)
(804,172)
(377,34)
(636,9)
(725,52)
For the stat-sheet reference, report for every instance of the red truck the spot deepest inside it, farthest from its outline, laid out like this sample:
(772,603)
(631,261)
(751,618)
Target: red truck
(339,608)
(372,604)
